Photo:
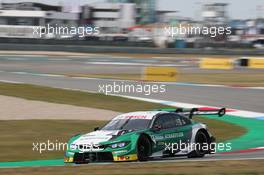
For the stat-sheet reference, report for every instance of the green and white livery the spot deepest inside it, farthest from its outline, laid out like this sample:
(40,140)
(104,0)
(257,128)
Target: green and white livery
(143,136)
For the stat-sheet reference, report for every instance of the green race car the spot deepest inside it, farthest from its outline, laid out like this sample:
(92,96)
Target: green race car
(144,135)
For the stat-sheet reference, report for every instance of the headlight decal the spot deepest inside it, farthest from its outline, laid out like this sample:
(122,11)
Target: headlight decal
(73,146)
(119,145)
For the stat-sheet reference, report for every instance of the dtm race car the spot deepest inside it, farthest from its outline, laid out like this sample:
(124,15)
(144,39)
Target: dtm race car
(141,136)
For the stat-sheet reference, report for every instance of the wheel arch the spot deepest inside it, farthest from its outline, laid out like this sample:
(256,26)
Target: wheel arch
(199,127)
(205,132)
(149,138)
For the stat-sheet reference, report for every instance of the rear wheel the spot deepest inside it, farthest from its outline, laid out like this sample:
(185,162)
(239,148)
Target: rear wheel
(143,148)
(201,143)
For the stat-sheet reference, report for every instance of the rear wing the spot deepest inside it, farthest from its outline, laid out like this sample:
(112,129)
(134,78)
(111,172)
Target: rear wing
(195,111)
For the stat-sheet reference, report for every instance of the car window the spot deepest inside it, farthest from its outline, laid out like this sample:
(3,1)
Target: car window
(158,121)
(127,124)
(185,121)
(178,121)
(167,121)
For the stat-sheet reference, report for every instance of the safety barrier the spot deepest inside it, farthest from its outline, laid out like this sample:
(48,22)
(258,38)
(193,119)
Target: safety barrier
(217,63)
(168,74)
(252,62)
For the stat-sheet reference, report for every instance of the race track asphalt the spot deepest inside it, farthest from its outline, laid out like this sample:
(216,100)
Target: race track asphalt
(36,69)
(237,98)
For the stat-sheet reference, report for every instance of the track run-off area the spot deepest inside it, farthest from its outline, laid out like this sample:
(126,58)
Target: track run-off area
(244,108)
(247,146)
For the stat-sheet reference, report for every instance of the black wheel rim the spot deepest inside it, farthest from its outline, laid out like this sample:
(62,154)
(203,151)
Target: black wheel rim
(201,141)
(142,149)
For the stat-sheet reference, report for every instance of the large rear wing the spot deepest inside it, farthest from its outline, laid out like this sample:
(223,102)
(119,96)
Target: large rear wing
(195,111)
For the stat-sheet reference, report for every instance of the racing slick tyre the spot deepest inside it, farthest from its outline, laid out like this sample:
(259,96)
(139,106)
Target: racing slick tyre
(143,148)
(200,140)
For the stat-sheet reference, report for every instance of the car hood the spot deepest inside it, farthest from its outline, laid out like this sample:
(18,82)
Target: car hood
(96,137)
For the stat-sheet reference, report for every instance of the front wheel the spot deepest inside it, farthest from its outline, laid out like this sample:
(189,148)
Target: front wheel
(143,148)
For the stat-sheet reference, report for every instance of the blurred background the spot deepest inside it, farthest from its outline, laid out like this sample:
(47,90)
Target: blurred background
(135,22)
(132,40)
(132,48)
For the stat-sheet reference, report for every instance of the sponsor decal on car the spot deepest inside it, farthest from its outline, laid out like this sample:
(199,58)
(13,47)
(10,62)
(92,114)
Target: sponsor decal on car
(167,136)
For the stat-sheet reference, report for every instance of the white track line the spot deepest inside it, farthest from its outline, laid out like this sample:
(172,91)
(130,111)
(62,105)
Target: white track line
(12,82)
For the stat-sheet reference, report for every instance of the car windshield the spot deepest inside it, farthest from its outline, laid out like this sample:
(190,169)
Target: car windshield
(127,124)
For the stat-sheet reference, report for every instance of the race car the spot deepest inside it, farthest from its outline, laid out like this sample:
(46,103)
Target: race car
(142,136)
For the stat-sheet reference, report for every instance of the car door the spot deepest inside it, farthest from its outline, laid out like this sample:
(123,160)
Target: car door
(175,132)
(183,132)
(163,137)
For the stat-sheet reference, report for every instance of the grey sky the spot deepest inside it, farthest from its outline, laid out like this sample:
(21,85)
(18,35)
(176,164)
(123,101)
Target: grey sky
(239,9)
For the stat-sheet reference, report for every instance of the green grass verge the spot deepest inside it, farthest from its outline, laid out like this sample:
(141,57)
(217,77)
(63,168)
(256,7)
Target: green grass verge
(220,129)
(17,136)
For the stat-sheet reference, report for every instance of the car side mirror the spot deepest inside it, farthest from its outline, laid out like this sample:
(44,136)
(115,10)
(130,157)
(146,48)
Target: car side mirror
(156,127)
(97,128)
